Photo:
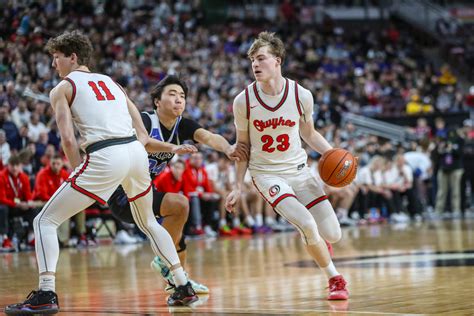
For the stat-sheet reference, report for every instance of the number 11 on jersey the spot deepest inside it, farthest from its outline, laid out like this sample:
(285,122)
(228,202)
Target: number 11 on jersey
(98,94)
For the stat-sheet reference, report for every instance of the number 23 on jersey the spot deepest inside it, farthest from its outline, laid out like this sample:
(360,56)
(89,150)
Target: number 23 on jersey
(283,143)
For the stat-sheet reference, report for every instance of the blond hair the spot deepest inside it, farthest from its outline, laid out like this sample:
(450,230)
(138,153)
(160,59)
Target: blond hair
(275,45)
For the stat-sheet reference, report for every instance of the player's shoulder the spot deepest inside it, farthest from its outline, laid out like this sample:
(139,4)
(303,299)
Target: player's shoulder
(63,86)
(240,99)
(302,91)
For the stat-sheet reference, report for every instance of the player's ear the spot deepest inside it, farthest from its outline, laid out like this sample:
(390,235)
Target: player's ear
(278,59)
(74,58)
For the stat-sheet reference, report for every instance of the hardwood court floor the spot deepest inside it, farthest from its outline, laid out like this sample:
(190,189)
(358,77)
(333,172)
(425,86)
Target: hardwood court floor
(410,269)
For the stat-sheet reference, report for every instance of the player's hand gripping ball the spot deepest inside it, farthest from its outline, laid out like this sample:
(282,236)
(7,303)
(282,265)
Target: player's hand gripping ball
(337,167)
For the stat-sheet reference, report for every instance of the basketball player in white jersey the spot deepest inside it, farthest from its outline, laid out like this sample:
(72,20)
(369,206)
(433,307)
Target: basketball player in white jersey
(270,115)
(107,120)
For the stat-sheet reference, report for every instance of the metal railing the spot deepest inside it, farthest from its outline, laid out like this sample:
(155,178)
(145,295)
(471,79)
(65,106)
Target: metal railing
(422,13)
(375,127)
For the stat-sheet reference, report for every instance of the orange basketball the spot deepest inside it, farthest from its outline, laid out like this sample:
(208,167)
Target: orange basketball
(337,167)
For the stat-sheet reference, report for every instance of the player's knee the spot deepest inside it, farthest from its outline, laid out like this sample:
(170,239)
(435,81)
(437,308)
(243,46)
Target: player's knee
(332,236)
(309,233)
(182,207)
(42,221)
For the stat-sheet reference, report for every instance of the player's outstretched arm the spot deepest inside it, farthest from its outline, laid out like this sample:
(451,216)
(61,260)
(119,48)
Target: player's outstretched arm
(60,97)
(153,145)
(219,143)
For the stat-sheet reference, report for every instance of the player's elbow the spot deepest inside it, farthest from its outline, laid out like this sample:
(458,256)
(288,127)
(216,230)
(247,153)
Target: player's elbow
(68,141)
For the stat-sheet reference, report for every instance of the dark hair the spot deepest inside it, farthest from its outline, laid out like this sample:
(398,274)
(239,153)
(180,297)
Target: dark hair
(71,42)
(14,160)
(157,90)
(179,160)
(56,156)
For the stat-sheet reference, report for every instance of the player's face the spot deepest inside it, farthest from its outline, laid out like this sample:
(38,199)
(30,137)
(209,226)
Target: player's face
(177,169)
(172,100)
(265,65)
(62,64)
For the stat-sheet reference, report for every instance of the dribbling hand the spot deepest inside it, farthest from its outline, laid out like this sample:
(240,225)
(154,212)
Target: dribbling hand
(231,200)
(185,149)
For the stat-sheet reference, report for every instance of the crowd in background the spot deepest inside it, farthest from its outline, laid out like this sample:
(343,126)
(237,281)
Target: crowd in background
(367,71)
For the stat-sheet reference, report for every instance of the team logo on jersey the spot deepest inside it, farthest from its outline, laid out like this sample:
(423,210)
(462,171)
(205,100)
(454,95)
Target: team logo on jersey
(274,190)
(342,173)
(261,125)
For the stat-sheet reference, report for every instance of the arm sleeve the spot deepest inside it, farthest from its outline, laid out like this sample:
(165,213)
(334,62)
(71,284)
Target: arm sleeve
(240,112)
(187,128)
(306,102)
(146,121)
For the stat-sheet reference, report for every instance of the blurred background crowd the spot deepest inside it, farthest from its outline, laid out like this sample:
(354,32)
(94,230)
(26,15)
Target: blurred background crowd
(382,72)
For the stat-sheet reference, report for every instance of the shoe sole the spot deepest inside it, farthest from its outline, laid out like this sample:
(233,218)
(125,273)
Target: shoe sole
(185,302)
(32,312)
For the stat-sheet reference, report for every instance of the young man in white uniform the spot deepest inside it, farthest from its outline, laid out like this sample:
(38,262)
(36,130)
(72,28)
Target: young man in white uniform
(106,119)
(270,115)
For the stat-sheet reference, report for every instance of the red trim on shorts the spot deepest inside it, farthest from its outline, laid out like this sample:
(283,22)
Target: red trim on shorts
(247,102)
(82,190)
(73,89)
(278,200)
(298,105)
(140,195)
(316,201)
(282,197)
(283,99)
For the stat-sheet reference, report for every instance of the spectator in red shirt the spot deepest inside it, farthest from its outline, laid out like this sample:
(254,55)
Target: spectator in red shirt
(49,179)
(172,179)
(15,199)
(203,200)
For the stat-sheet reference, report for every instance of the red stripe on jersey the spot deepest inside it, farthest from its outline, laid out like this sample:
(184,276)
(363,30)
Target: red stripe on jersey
(247,101)
(298,105)
(318,200)
(283,99)
(73,89)
(140,195)
(82,190)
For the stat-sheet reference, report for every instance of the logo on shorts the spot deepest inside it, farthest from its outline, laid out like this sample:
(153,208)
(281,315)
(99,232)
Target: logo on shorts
(342,173)
(274,190)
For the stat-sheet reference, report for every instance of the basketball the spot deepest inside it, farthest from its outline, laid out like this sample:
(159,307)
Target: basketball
(337,167)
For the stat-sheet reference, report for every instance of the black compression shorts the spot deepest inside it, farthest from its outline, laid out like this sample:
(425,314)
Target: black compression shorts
(120,207)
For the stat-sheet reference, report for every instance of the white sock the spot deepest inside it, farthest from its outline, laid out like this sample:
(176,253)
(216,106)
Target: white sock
(259,220)
(269,220)
(47,282)
(179,277)
(330,270)
(236,221)
(250,221)
(222,222)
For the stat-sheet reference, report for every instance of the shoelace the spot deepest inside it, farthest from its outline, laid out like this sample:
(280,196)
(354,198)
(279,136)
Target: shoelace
(30,297)
(338,285)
